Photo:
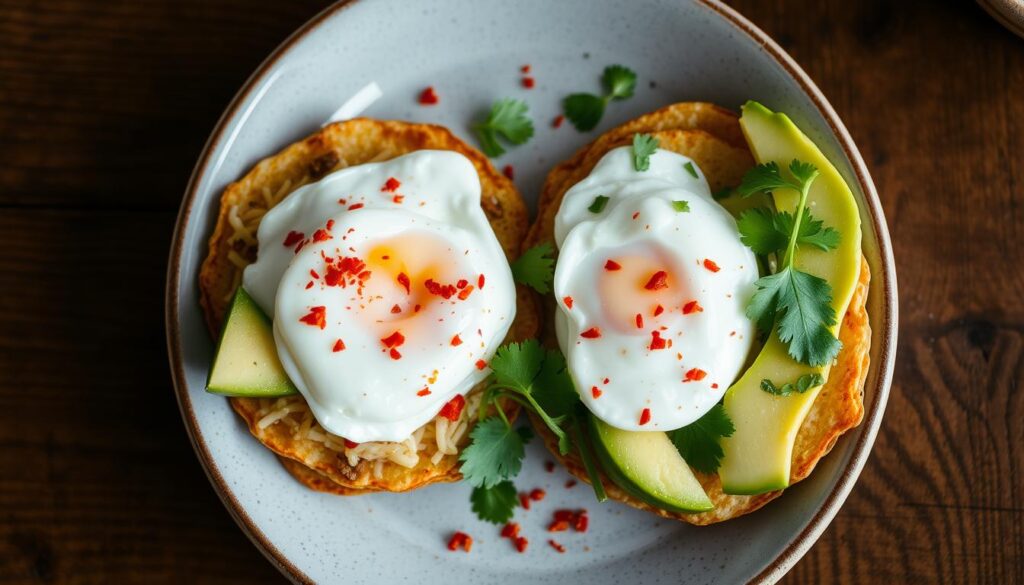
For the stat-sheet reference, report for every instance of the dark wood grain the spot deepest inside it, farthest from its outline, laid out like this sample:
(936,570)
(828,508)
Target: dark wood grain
(105,106)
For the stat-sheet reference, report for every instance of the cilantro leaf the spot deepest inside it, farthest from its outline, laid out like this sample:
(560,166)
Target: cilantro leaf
(598,205)
(803,172)
(619,82)
(553,388)
(681,206)
(699,441)
(759,231)
(803,304)
(507,119)
(495,504)
(644,146)
(691,169)
(517,364)
(584,110)
(803,384)
(813,233)
(764,177)
(535,268)
(495,453)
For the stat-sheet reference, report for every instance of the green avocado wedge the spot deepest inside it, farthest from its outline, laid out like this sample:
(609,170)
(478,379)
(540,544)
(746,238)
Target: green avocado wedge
(246,362)
(758,455)
(648,466)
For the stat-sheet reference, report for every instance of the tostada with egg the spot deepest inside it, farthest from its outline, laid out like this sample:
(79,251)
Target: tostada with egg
(707,304)
(358,282)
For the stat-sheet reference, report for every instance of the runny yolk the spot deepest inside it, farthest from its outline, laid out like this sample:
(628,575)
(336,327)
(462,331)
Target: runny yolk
(628,291)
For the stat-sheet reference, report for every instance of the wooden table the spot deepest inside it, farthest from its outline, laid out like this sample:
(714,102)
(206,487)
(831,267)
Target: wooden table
(105,106)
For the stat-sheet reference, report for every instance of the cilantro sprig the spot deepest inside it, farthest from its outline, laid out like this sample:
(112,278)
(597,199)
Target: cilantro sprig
(644,145)
(802,385)
(585,110)
(535,268)
(798,303)
(537,379)
(700,441)
(508,120)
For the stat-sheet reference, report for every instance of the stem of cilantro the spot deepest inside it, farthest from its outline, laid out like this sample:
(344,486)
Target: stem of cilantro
(588,464)
(804,189)
(528,401)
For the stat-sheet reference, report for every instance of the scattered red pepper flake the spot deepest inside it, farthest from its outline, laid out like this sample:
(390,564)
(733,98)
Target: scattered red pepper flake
(460,540)
(342,201)
(605,381)
(636,215)
(549,466)
(582,521)
(570,484)
(481,364)
(398,199)
(658,281)
(658,310)
(528,82)
(453,408)
(293,238)
(309,285)
(537,494)
(424,392)
(330,224)
(524,501)
(556,546)
(480,281)
(314,274)
(595,392)
(317,317)
(395,355)
(612,265)
(395,309)
(464,293)
(525,69)
(710,265)
(521,544)
(558,526)
(592,333)
(350,444)
(692,307)
(355,206)
(428,97)
(391,185)
(510,530)
(557,122)
(403,280)
(396,339)
(715,386)
(694,375)
(339,345)
(444,291)
(645,416)
(568,302)
(509,172)
(657,341)
(639,321)
(456,340)
(461,284)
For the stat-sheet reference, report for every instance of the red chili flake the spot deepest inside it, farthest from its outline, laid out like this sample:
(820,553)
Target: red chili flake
(453,408)
(570,484)
(537,494)
(396,339)
(398,199)
(313,273)
(549,466)
(403,280)
(694,375)
(293,238)
(563,515)
(442,290)
(460,540)
(338,346)
(510,530)
(509,172)
(461,284)
(582,522)
(481,364)
(612,265)
(299,247)
(428,97)
(592,333)
(525,69)
(528,82)
(309,285)
(605,381)
(342,201)
(416,309)
(424,392)
(568,302)
(639,321)
(396,309)
(350,444)
(645,416)
(464,293)
(330,224)
(557,122)
(355,206)
(524,501)
(636,215)
(692,307)
(395,355)
(658,281)
(521,544)
(710,265)
(657,341)
(556,546)
(715,386)
(480,281)
(391,185)
(595,392)
(317,317)
(558,526)
(658,310)
(456,341)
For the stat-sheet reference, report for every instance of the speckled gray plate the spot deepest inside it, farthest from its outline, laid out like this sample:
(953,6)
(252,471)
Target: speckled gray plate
(471,52)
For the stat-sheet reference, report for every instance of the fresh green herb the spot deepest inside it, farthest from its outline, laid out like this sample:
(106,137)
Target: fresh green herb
(495,504)
(538,380)
(798,302)
(598,205)
(585,110)
(700,441)
(691,169)
(508,120)
(644,146)
(681,206)
(803,384)
(535,268)
(767,232)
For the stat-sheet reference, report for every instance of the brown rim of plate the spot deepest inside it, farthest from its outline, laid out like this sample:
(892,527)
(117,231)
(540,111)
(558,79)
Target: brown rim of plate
(796,548)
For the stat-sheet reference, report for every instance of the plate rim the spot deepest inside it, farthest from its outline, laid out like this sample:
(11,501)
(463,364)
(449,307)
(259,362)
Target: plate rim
(800,544)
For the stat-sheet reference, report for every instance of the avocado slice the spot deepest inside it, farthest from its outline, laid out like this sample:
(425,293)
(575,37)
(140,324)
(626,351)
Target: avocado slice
(758,455)
(648,466)
(246,363)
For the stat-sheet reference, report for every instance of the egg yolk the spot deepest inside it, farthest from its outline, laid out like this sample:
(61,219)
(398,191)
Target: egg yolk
(637,288)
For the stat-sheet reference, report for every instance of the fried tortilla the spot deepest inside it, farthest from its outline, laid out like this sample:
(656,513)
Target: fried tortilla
(711,136)
(286,425)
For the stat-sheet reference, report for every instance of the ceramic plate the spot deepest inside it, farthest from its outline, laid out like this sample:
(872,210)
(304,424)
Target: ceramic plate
(471,52)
